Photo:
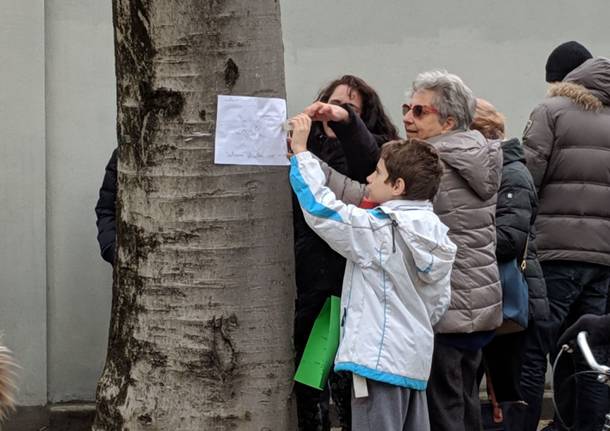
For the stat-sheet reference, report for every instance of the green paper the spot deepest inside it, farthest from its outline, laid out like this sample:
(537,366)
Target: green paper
(321,347)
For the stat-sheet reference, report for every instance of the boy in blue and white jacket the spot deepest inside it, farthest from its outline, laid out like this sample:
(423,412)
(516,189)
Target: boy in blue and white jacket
(396,283)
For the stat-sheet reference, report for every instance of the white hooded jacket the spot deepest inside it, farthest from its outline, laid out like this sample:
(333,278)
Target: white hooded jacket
(396,284)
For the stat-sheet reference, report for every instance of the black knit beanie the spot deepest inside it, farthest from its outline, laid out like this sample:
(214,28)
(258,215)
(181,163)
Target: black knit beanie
(564,59)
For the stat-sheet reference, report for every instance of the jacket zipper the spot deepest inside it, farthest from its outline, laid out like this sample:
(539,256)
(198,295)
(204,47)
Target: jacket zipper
(349,298)
(394,225)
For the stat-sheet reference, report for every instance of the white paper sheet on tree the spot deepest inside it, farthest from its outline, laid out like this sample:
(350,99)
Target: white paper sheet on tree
(249,131)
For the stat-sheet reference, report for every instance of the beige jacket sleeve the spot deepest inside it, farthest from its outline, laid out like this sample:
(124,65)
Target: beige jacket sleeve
(345,189)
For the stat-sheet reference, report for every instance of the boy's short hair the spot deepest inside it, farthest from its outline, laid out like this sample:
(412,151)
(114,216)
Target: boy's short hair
(417,163)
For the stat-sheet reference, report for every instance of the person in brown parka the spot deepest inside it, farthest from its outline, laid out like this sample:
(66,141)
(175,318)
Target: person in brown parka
(567,149)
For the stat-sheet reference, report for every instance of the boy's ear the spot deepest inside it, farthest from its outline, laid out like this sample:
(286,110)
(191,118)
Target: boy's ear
(399,187)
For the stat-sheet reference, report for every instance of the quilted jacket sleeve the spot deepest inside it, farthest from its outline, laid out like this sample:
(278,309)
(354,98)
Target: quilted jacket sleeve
(538,141)
(360,146)
(513,214)
(105,211)
(345,189)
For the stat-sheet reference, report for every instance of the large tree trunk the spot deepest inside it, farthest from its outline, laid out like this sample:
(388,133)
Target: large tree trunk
(201,329)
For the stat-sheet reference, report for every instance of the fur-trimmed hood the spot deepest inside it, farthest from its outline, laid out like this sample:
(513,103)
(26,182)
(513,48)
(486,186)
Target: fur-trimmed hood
(588,85)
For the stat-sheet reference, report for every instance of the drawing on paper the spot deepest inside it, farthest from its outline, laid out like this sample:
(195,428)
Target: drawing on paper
(249,131)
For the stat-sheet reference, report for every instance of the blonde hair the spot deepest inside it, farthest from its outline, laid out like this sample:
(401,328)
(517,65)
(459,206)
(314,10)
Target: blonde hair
(488,120)
(7,382)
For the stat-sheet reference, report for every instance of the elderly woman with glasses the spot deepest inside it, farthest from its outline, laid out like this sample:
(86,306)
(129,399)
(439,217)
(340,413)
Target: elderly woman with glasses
(440,110)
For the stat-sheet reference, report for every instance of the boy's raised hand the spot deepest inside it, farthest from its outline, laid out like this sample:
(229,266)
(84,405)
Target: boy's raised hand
(301,124)
(320,111)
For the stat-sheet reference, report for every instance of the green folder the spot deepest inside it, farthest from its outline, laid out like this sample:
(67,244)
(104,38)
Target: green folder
(321,347)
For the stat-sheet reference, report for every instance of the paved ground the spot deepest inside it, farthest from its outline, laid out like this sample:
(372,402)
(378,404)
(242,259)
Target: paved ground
(74,417)
(542,425)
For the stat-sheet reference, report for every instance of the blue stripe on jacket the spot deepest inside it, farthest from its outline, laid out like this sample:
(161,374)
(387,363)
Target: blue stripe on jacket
(382,376)
(305,196)
(377,213)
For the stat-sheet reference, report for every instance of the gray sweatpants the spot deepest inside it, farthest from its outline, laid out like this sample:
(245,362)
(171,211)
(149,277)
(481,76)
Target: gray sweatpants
(390,408)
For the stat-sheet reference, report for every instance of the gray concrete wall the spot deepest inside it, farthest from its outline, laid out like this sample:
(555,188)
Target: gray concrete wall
(81,134)
(498,47)
(22,193)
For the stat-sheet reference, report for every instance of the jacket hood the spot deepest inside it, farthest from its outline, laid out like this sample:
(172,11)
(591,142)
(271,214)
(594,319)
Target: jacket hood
(588,85)
(476,160)
(512,151)
(432,250)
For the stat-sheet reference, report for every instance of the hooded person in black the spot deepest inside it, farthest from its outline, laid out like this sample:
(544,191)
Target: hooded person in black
(516,212)
(351,147)
(105,211)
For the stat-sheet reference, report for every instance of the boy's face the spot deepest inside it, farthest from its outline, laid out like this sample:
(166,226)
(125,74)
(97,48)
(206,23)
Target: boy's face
(380,191)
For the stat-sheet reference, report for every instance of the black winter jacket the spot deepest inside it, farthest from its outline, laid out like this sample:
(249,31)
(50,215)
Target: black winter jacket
(105,211)
(319,270)
(515,216)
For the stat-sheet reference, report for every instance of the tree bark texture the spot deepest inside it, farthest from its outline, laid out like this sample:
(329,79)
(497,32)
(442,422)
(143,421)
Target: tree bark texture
(203,296)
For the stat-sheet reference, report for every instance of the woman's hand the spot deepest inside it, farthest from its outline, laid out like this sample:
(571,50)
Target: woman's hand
(320,111)
(301,124)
